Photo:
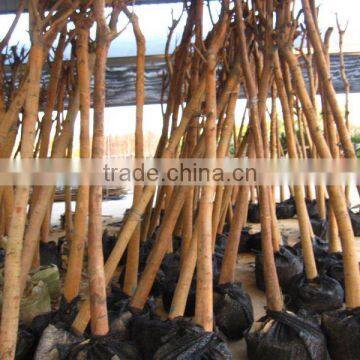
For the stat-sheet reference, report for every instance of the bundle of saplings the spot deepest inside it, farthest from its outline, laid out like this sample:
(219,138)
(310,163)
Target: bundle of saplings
(342,327)
(232,305)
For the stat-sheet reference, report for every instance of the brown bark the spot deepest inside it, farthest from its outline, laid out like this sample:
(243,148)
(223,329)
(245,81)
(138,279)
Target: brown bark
(346,86)
(11,289)
(76,254)
(127,230)
(204,290)
(55,73)
(132,259)
(352,275)
(186,274)
(137,212)
(221,152)
(273,293)
(97,284)
(302,214)
(227,273)
(67,194)
(326,80)
(332,140)
(46,192)
(160,248)
(12,280)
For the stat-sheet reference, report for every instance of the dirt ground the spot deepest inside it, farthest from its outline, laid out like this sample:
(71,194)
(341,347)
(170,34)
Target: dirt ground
(245,269)
(245,275)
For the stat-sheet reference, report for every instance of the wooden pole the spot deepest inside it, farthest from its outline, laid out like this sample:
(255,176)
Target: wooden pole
(302,214)
(76,253)
(273,293)
(352,275)
(132,259)
(12,272)
(97,283)
(204,288)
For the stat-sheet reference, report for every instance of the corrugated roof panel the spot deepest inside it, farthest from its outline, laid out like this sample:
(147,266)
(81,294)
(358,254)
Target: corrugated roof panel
(121,77)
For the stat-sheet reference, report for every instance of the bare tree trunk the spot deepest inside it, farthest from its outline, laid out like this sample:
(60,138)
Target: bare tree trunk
(352,275)
(132,259)
(186,274)
(303,217)
(97,284)
(11,289)
(332,140)
(204,288)
(67,193)
(127,230)
(136,213)
(221,152)
(273,293)
(346,87)
(327,84)
(76,254)
(46,192)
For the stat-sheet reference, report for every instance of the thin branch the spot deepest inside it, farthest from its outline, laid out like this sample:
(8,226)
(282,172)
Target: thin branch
(341,31)
(51,11)
(210,13)
(199,53)
(59,22)
(172,28)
